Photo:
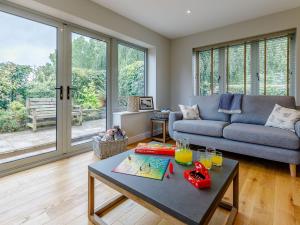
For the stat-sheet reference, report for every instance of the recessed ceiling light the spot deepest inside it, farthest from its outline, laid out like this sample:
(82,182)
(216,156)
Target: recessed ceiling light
(188,11)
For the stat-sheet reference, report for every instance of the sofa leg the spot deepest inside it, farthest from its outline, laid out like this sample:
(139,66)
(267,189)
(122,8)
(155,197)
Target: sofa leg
(293,169)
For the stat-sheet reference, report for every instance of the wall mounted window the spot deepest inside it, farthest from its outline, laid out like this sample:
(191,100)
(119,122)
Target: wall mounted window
(263,65)
(131,74)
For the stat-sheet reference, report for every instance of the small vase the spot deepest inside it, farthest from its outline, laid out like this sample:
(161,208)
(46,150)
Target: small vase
(133,104)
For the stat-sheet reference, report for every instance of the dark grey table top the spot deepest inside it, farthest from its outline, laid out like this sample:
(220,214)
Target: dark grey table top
(175,195)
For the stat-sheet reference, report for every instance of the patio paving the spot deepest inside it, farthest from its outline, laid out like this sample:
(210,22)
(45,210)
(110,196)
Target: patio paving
(20,141)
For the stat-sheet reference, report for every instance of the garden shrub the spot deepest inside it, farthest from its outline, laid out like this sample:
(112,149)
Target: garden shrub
(14,118)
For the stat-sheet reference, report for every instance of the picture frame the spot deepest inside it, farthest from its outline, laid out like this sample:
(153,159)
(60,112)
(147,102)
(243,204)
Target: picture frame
(146,103)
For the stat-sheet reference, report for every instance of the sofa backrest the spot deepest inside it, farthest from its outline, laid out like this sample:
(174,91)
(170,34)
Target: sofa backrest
(256,109)
(208,107)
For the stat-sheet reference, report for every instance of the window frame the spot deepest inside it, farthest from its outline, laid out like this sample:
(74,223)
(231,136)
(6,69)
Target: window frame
(224,84)
(115,59)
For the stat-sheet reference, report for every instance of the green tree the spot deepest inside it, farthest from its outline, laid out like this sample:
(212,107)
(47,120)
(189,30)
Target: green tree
(131,81)
(88,53)
(13,79)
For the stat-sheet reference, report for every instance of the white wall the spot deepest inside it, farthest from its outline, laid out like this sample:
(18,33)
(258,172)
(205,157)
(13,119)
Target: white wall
(181,49)
(91,15)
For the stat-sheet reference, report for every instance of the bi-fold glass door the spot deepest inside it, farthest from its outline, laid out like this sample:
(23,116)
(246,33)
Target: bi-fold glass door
(31,88)
(53,85)
(86,87)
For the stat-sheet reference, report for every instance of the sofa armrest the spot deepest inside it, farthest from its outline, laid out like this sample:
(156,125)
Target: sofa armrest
(297,128)
(174,116)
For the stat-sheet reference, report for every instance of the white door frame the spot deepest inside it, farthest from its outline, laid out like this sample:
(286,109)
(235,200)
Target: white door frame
(13,165)
(68,146)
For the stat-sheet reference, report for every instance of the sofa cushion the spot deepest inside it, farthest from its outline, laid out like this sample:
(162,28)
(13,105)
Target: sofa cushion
(283,118)
(190,112)
(257,109)
(258,134)
(208,107)
(202,127)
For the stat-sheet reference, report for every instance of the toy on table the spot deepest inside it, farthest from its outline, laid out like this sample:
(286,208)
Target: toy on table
(171,168)
(183,154)
(155,149)
(143,166)
(199,176)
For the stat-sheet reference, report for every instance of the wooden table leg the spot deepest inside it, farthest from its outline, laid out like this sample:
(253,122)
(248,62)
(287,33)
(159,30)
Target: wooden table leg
(234,207)
(152,127)
(91,195)
(236,190)
(94,213)
(235,203)
(164,131)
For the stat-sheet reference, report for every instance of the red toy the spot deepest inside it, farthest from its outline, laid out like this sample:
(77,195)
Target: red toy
(198,176)
(155,149)
(171,168)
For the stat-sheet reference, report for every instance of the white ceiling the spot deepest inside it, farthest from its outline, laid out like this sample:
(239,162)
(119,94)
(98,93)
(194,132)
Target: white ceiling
(169,17)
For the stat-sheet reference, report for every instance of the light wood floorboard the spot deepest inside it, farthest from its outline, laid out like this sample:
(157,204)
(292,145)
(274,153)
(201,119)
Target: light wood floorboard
(56,194)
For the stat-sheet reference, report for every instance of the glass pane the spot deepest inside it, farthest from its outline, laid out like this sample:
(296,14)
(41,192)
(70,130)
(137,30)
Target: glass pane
(261,67)
(27,88)
(248,69)
(131,74)
(216,78)
(204,72)
(236,69)
(277,66)
(89,82)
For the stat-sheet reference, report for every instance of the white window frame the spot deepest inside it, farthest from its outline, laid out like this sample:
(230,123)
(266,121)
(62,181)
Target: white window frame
(115,70)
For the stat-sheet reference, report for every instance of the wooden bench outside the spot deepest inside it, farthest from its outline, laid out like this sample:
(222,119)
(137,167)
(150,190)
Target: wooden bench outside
(42,112)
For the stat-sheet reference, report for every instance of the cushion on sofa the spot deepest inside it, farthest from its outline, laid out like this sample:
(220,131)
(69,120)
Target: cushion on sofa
(208,107)
(257,109)
(190,112)
(202,127)
(258,134)
(283,118)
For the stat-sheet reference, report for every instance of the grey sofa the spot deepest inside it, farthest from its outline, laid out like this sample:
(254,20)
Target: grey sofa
(243,133)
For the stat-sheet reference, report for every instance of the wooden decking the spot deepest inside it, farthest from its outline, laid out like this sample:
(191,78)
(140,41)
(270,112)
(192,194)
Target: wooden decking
(56,194)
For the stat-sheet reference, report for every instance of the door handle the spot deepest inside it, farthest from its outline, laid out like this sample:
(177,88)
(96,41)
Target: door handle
(257,76)
(68,91)
(61,93)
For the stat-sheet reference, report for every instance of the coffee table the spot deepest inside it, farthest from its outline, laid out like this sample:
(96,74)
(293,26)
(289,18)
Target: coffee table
(174,199)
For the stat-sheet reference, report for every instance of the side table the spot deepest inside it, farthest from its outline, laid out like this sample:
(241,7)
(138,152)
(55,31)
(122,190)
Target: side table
(164,136)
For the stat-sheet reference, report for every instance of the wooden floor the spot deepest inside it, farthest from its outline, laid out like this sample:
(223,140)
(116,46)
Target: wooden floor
(56,194)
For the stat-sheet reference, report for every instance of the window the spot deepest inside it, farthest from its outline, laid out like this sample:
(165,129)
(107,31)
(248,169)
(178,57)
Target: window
(235,69)
(131,72)
(205,72)
(258,66)
(28,77)
(89,63)
(209,72)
